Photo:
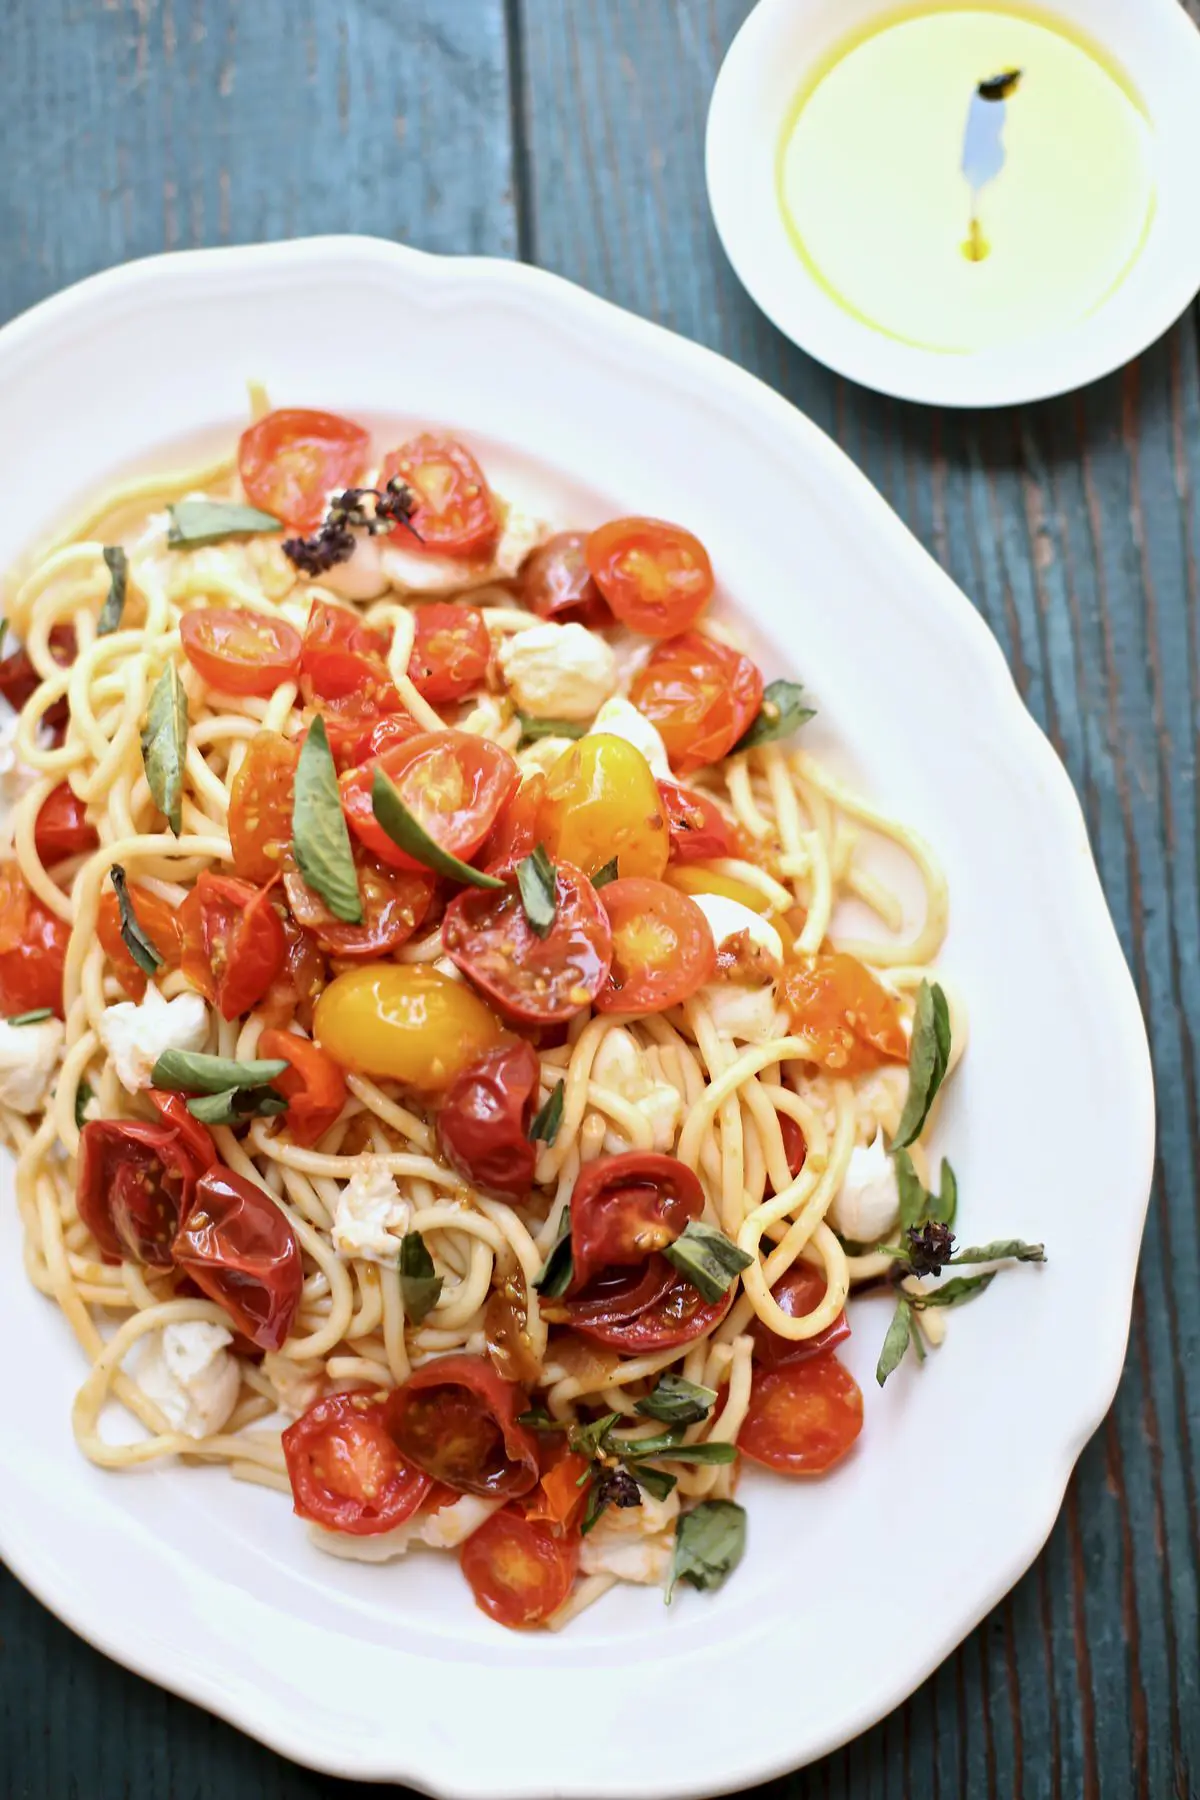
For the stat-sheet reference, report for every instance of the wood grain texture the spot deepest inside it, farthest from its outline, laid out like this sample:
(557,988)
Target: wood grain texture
(570,132)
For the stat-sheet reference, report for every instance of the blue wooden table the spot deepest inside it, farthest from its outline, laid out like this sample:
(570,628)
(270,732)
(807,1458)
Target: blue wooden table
(569,133)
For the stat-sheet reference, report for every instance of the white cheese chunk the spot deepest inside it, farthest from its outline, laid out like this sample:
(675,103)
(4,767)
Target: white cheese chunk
(622,1067)
(441,1530)
(135,1036)
(363,576)
(742,1001)
(558,671)
(413,571)
(190,1375)
(634,1543)
(297,1384)
(28,1059)
(867,1205)
(620,718)
(728,918)
(370,1218)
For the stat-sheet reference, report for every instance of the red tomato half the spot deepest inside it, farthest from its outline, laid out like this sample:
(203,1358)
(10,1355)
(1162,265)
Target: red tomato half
(292,460)
(240,652)
(233,942)
(701,695)
(624,1208)
(803,1416)
(345,1471)
(240,1250)
(674,1313)
(33,948)
(663,950)
(455,513)
(451,651)
(19,680)
(700,832)
(62,828)
(260,807)
(557,584)
(313,1085)
(539,980)
(158,920)
(357,731)
(457,1419)
(798,1290)
(520,1570)
(656,577)
(485,1118)
(451,781)
(394,902)
(134,1184)
(343,661)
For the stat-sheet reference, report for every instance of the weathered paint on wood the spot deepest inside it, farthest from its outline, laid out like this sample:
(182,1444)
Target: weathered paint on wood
(570,132)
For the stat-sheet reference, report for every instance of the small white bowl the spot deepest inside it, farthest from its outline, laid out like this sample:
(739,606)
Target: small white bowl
(767,64)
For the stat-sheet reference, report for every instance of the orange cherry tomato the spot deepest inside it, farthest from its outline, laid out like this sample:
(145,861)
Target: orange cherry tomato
(517,831)
(701,695)
(850,1019)
(601,801)
(451,651)
(699,829)
(559,1498)
(557,584)
(656,577)
(291,460)
(803,1416)
(33,948)
(411,1024)
(62,828)
(345,662)
(260,807)
(233,942)
(159,921)
(538,980)
(240,1249)
(456,1418)
(394,902)
(455,514)
(313,1085)
(798,1291)
(663,950)
(519,1569)
(453,783)
(240,652)
(345,1471)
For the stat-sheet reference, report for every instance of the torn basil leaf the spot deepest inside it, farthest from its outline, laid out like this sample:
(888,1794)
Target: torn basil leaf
(134,938)
(31,1018)
(782,712)
(607,873)
(928,1060)
(554,1277)
(710,1542)
(194,1072)
(114,605)
(1015,1248)
(677,1402)
(404,829)
(83,1096)
(953,1293)
(538,882)
(649,1450)
(532,729)
(320,837)
(164,745)
(657,1483)
(420,1285)
(899,1333)
(210,521)
(547,1121)
(234,1105)
(710,1260)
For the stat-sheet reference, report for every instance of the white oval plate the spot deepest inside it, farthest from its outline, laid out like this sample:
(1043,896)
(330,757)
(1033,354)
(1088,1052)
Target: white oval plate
(210,1587)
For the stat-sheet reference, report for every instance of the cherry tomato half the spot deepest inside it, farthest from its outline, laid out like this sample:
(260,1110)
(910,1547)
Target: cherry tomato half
(557,584)
(313,1084)
(798,1291)
(357,732)
(134,1184)
(410,1024)
(540,980)
(394,902)
(240,652)
(33,948)
(19,680)
(457,1419)
(674,1313)
(803,1416)
(699,829)
(519,1569)
(233,942)
(455,513)
(452,782)
(601,801)
(346,1472)
(451,651)
(663,950)
(159,921)
(240,1250)
(260,807)
(345,662)
(485,1118)
(625,1208)
(62,828)
(517,831)
(197,1138)
(701,695)
(850,1019)
(291,460)
(656,577)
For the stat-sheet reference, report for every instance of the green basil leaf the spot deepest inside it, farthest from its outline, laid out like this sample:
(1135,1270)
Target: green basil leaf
(1016,1248)
(589,1440)
(946,1205)
(209,521)
(320,837)
(194,1072)
(657,1483)
(917,1203)
(607,873)
(532,729)
(164,745)
(31,1018)
(83,1095)
(677,1402)
(928,1060)
(684,1453)
(954,1293)
(710,1542)
(710,1260)
(135,940)
(420,1286)
(554,1277)
(547,1121)
(782,712)
(899,1334)
(538,882)
(538,1419)
(114,605)
(236,1104)
(402,827)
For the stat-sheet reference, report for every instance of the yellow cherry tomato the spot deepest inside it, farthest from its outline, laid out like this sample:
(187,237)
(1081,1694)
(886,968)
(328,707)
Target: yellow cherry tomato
(409,1023)
(698,878)
(602,801)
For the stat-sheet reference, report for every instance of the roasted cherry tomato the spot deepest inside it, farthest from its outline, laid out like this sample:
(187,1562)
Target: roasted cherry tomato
(172,1110)
(394,902)
(625,1208)
(296,988)
(613,1313)
(240,652)
(506,1332)
(849,1018)
(698,827)
(602,801)
(455,513)
(803,1416)
(345,1471)
(701,695)
(519,1569)
(233,942)
(408,1023)
(344,662)
(292,460)
(561,1494)
(134,1184)
(539,980)
(517,831)
(240,1250)
(452,782)
(260,807)
(161,924)
(357,732)
(798,1291)
(19,680)
(313,1085)
(557,584)
(62,828)
(485,1118)
(451,651)
(656,577)
(663,950)
(33,948)
(457,1419)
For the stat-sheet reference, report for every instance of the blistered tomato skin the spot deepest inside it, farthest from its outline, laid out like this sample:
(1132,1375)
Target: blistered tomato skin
(601,801)
(404,1023)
